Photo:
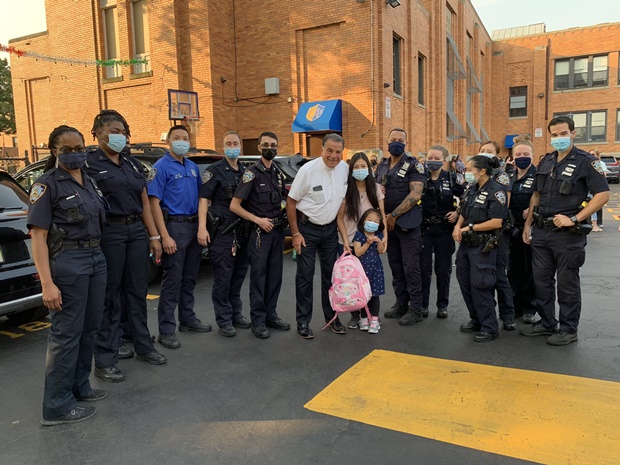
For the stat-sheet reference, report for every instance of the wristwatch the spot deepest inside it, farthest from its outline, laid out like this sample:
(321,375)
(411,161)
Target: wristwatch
(471,226)
(574,219)
(394,215)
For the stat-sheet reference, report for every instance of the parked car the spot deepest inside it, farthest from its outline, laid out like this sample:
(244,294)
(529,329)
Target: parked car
(288,164)
(614,169)
(20,287)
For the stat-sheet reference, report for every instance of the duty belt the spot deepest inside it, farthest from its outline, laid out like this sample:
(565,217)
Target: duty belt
(434,220)
(124,219)
(184,219)
(276,221)
(72,245)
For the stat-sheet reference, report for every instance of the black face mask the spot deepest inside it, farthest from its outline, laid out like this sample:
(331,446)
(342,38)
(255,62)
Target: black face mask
(373,162)
(269,154)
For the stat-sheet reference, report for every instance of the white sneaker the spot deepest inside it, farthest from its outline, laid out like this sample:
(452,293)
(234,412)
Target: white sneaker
(374,327)
(364,324)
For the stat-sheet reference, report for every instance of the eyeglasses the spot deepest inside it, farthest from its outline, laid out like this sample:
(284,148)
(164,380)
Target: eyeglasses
(65,150)
(268,146)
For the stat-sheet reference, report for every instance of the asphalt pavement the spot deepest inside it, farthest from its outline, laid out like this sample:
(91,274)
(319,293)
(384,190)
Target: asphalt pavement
(424,394)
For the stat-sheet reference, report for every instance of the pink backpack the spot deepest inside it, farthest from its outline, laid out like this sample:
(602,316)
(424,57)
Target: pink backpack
(350,289)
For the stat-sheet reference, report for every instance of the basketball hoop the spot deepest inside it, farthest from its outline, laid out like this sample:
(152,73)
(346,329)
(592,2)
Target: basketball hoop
(194,124)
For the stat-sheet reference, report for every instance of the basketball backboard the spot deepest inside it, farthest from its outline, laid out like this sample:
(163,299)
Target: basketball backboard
(182,104)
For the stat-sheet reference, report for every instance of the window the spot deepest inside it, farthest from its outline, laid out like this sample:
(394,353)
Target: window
(450,20)
(396,59)
(582,72)
(454,129)
(617,125)
(518,101)
(140,30)
(590,126)
(110,31)
(421,61)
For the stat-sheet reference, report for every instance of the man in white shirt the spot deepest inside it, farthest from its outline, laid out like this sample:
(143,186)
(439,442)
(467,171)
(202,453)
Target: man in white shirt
(312,206)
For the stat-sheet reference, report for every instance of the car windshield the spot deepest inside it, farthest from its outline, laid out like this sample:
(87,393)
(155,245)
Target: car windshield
(608,159)
(11,196)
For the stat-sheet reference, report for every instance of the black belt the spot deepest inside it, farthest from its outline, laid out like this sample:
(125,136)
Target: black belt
(71,245)
(276,221)
(184,219)
(124,219)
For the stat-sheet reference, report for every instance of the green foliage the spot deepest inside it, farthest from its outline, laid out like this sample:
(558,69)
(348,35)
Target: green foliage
(7,110)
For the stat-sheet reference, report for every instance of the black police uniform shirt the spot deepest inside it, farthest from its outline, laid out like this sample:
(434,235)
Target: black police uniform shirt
(219,182)
(522,190)
(396,182)
(262,190)
(58,198)
(438,198)
(565,185)
(484,203)
(122,185)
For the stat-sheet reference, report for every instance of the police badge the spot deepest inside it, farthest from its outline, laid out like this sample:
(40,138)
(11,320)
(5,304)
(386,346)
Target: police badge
(206,176)
(248,176)
(37,191)
(598,166)
(503,179)
(501,197)
(151,175)
(420,168)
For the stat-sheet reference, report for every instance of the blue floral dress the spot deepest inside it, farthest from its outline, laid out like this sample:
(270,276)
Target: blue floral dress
(371,261)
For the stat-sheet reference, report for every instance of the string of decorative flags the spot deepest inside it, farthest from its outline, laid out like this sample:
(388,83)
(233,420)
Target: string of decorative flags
(73,61)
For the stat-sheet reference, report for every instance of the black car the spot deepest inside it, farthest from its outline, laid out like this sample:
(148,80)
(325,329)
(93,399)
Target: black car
(20,287)
(288,164)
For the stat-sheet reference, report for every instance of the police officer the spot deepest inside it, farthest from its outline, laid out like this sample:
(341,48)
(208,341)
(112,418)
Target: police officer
(520,269)
(260,199)
(66,216)
(439,212)
(124,243)
(227,235)
(563,180)
(403,179)
(502,286)
(482,213)
(173,194)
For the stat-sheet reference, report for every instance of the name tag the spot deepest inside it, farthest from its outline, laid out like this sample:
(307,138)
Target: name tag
(528,183)
(481,198)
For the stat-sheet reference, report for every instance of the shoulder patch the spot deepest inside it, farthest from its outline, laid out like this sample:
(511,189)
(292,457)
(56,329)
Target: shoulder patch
(420,168)
(151,174)
(206,176)
(503,179)
(194,172)
(248,176)
(598,166)
(460,179)
(501,197)
(36,192)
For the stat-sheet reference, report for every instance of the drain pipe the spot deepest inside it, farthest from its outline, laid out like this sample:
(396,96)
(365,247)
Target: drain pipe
(372,68)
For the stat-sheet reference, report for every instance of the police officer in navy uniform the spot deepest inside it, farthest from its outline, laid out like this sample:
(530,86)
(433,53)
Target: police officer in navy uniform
(173,193)
(66,217)
(520,269)
(125,245)
(228,236)
(482,213)
(260,199)
(403,179)
(502,287)
(439,212)
(563,181)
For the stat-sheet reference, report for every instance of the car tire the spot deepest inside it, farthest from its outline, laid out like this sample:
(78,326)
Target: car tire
(32,314)
(153,271)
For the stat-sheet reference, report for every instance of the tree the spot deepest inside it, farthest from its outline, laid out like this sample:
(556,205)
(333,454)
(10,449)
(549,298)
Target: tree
(7,110)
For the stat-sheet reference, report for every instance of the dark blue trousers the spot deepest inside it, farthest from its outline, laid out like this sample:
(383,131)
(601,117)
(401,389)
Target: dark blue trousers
(437,240)
(180,271)
(558,253)
(321,240)
(404,249)
(125,247)
(505,303)
(267,263)
(520,277)
(80,275)
(475,273)
(228,275)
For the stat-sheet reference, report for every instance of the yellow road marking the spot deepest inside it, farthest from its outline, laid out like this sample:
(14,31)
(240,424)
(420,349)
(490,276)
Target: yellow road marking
(151,297)
(616,217)
(530,415)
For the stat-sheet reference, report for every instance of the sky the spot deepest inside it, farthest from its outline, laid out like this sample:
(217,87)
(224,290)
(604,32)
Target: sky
(22,17)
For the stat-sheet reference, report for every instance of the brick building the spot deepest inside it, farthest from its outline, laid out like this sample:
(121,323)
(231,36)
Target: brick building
(422,65)
(538,74)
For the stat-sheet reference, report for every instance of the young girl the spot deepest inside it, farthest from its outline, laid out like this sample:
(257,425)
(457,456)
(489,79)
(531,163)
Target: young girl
(368,244)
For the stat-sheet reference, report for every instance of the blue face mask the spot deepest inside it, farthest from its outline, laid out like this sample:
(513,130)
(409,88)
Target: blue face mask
(523,162)
(434,165)
(371,226)
(116,142)
(396,149)
(73,160)
(360,174)
(561,144)
(180,147)
(470,178)
(232,152)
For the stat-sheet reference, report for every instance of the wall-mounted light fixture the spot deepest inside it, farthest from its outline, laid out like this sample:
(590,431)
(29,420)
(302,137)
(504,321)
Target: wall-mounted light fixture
(386,85)
(393,3)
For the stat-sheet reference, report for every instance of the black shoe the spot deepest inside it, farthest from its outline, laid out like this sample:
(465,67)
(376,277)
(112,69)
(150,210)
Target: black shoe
(470,327)
(354,321)
(410,318)
(195,325)
(169,341)
(75,415)
(242,323)
(93,396)
(483,336)
(338,327)
(396,311)
(279,325)
(261,332)
(228,330)
(110,374)
(537,329)
(510,325)
(442,313)
(124,352)
(425,312)
(154,358)
(304,331)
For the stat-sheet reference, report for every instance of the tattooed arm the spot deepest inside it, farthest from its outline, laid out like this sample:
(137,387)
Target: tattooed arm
(416,189)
